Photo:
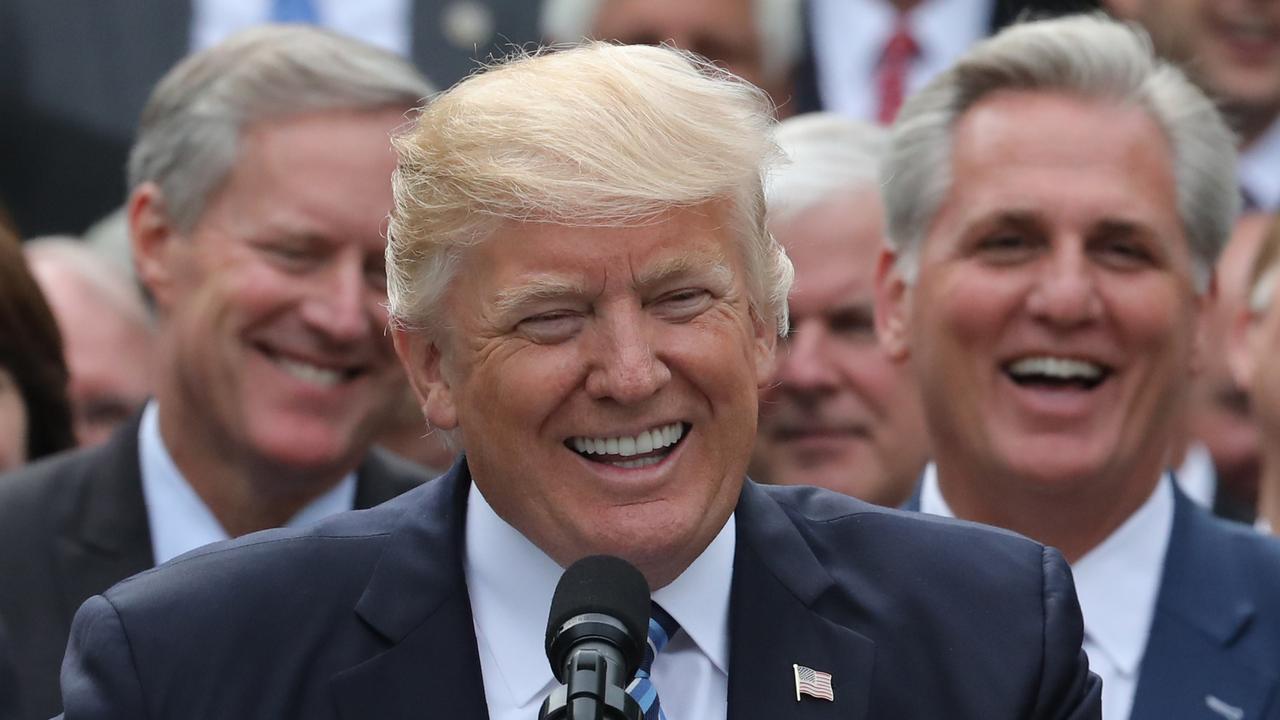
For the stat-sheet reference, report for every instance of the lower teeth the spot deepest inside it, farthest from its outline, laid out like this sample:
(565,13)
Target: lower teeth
(640,462)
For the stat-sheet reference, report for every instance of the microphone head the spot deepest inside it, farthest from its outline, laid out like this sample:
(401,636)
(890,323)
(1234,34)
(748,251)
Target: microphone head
(602,585)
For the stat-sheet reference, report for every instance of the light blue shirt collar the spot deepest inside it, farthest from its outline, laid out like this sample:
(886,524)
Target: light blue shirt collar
(179,520)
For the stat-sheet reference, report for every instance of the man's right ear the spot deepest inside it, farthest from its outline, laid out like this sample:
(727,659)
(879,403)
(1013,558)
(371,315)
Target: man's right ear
(423,363)
(891,306)
(152,236)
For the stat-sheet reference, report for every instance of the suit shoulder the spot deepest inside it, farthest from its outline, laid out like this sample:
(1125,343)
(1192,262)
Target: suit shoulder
(824,511)
(339,548)
(33,493)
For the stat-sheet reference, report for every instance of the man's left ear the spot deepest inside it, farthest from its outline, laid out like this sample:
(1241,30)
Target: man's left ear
(766,346)
(423,363)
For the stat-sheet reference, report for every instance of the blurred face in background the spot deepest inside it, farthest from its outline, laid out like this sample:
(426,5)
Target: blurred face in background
(721,30)
(1220,414)
(1231,47)
(838,413)
(109,347)
(13,423)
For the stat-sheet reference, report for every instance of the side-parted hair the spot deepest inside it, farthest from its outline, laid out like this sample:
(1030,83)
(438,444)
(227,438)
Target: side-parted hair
(826,155)
(1089,56)
(190,129)
(779,26)
(31,350)
(1265,272)
(596,135)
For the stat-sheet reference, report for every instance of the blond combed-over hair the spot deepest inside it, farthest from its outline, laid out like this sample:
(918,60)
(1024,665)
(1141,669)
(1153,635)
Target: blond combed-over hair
(591,135)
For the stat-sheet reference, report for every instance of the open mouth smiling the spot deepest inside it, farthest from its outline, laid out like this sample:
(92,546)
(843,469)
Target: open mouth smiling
(1056,372)
(649,447)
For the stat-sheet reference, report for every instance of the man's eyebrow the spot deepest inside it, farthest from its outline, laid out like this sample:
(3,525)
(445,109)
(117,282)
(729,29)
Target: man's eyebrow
(688,264)
(537,288)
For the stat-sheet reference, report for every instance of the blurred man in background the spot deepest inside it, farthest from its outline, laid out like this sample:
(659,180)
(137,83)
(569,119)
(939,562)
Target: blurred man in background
(1231,48)
(260,186)
(1219,466)
(1056,203)
(107,333)
(757,40)
(838,413)
(1254,345)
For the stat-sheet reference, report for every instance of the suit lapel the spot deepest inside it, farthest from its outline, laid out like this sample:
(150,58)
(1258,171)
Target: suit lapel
(417,603)
(1188,668)
(773,624)
(104,535)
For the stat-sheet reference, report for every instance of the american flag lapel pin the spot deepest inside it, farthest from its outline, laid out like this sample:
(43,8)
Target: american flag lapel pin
(813,683)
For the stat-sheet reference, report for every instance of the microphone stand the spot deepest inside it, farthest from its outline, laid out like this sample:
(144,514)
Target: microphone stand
(593,692)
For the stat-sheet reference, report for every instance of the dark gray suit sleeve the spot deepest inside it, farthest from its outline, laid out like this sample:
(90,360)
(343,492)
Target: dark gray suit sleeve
(9,709)
(99,676)
(1068,691)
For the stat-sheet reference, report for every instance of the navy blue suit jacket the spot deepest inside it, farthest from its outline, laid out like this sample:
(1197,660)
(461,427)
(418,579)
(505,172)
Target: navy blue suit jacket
(1216,629)
(366,615)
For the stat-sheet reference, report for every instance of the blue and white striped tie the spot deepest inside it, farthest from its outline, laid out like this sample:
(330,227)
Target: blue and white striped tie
(661,628)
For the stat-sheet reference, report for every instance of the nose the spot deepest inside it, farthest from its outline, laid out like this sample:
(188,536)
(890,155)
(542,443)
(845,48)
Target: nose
(804,366)
(340,303)
(626,367)
(1065,291)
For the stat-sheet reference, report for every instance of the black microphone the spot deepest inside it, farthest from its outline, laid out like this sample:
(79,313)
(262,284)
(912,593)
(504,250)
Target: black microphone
(596,635)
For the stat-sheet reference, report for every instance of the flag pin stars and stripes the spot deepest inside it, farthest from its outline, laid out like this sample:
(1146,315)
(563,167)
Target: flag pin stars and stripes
(813,683)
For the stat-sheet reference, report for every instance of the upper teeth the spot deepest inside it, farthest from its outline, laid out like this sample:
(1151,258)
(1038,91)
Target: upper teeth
(310,373)
(1057,367)
(646,441)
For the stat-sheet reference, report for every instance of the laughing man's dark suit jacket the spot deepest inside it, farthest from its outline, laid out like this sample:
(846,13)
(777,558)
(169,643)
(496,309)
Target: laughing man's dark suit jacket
(1216,629)
(76,524)
(367,615)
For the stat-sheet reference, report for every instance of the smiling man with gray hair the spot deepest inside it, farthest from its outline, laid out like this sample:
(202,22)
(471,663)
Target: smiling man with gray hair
(261,180)
(1056,202)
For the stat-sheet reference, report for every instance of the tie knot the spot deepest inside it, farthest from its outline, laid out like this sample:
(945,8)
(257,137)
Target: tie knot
(901,46)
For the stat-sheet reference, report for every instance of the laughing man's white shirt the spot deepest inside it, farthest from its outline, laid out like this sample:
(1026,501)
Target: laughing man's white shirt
(1117,583)
(510,582)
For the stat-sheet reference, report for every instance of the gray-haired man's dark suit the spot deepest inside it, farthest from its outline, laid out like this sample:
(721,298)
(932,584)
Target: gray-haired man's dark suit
(73,525)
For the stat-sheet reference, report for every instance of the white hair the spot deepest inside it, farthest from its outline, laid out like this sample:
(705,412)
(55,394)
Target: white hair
(1084,55)
(596,135)
(778,24)
(190,129)
(827,154)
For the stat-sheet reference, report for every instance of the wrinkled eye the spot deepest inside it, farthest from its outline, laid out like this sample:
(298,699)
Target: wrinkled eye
(683,304)
(551,327)
(1125,253)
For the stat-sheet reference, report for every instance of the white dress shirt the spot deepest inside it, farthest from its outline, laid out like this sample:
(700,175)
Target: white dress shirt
(510,582)
(1259,169)
(849,37)
(1117,583)
(179,519)
(384,23)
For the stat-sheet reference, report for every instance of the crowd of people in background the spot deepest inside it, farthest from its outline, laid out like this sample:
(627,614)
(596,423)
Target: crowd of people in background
(1031,256)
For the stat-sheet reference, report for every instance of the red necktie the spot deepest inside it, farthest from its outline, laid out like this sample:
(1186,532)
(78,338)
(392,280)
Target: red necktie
(891,79)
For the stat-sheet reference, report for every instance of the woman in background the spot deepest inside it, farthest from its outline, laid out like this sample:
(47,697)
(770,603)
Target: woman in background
(35,416)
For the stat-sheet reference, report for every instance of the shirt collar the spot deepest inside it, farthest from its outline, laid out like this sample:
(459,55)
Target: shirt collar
(1117,581)
(511,581)
(179,519)
(1259,169)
